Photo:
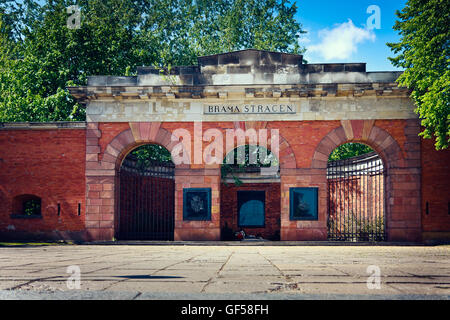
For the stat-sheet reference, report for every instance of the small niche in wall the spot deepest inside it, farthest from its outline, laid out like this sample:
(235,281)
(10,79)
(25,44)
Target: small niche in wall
(303,204)
(27,206)
(251,208)
(197,204)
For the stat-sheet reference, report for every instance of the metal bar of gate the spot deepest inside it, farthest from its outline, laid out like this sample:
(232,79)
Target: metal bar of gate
(356,202)
(146,209)
(161,212)
(347,197)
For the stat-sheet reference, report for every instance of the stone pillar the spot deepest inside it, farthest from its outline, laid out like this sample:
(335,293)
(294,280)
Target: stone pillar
(403,189)
(100,181)
(197,230)
(303,230)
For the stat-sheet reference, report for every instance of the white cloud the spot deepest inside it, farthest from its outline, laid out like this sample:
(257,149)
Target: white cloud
(341,41)
(304,40)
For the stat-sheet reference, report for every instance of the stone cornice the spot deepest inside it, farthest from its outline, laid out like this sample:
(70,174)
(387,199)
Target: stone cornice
(143,93)
(241,74)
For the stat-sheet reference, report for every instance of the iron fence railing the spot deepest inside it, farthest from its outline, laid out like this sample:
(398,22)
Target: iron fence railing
(146,200)
(356,210)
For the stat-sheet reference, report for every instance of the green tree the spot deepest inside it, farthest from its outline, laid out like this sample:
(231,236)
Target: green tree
(40,56)
(423,51)
(349,150)
(48,56)
(151,152)
(245,158)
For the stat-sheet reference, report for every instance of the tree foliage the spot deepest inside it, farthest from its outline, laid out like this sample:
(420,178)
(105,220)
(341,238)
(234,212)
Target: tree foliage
(40,56)
(349,150)
(148,153)
(245,158)
(424,51)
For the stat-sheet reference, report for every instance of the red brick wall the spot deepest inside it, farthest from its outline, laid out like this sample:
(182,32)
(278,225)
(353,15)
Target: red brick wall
(304,150)
(108,132)
(229,209)
(435,192)
(303,137)
(396,128)
(66,165)
(49,164)
(197,230)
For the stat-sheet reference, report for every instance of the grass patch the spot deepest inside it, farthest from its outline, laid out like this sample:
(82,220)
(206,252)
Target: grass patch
(34,243)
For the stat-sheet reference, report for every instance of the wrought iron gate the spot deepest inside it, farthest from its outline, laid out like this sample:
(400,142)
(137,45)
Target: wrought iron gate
(356,210)
(146,200)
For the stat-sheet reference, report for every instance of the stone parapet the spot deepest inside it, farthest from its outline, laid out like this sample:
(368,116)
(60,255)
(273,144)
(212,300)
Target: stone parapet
(233,109)
(221,87)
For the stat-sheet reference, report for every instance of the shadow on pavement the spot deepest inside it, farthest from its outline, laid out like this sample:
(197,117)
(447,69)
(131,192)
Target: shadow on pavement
(148,277)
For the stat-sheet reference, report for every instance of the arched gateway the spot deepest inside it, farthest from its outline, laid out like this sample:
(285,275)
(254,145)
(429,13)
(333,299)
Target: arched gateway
(300,112)
(356,198)
(145,197)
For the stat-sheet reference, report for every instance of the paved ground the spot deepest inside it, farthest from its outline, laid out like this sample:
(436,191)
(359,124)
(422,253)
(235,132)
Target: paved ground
(197,272)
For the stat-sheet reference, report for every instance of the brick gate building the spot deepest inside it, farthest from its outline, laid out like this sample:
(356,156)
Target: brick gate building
(71,169)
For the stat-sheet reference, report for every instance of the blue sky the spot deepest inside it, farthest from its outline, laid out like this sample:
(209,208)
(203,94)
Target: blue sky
(337,31)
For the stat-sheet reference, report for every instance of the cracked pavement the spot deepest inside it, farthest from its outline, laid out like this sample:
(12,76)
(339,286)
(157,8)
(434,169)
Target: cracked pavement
(154,271)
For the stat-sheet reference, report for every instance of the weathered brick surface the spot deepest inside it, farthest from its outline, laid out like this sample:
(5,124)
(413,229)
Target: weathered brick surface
(396,129)
(435,192)
(51,165)
(229,209)
(69,166)
(197,230)
(301,230)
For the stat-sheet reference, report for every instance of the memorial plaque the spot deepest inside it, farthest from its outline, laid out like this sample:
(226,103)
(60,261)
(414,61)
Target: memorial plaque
(251,208)
(303,204)
(197,204)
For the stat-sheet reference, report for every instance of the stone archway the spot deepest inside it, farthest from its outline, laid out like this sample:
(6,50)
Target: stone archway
(288,166)
(250,194)
(362,131)
(402,183)
(101,168)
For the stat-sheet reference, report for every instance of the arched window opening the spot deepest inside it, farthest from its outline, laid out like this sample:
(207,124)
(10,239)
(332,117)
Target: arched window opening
(356,177)
(27,205)
(249,162)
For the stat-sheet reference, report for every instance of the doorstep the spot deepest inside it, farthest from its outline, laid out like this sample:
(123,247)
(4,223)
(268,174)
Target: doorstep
(251,243)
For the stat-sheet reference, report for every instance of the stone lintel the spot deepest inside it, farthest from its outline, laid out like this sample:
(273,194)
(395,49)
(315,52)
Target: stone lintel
(379,90)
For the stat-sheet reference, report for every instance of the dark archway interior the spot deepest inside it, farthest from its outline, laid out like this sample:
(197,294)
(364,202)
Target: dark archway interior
(146,195)
(250,196)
